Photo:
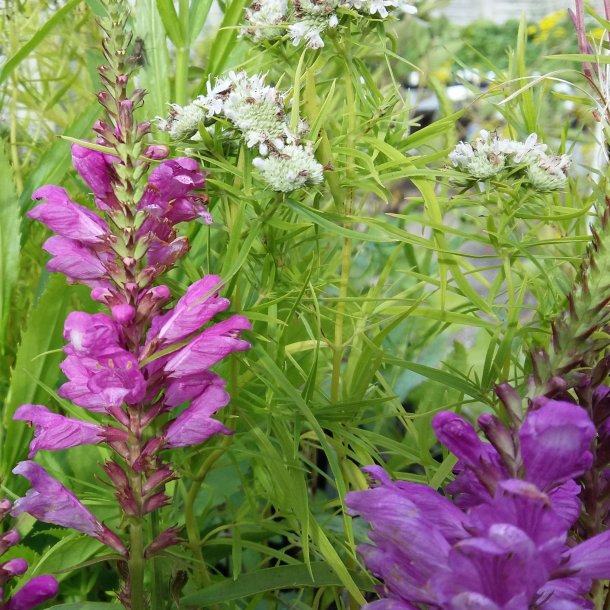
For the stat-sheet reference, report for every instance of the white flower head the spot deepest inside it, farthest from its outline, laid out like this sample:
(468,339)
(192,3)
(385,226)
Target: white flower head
(263,17)
(183,121)
(256,109)
(549,173)
(291,168)
(309,28)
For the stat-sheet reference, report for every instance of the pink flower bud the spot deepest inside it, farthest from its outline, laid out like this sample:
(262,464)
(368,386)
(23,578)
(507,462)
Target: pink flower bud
(123,313)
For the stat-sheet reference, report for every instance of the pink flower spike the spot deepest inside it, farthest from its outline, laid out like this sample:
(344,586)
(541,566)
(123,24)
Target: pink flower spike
(195,424)
(212,345)
(67,218)
(54,431)
(36,591)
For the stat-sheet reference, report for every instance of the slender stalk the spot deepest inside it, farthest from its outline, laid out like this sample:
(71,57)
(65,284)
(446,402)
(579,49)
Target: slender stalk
(136,566)
(346,255)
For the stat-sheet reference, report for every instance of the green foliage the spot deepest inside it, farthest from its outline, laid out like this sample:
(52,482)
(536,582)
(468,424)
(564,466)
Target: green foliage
(379,297)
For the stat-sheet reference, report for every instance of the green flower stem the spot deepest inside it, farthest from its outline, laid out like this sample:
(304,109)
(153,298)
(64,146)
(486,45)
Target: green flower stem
(136,566)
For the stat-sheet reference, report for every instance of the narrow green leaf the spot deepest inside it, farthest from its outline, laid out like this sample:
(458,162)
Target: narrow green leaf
(9,240)
(198,13)
(171,23)
(56,16)
(86,606)
(270,579)
(155,73)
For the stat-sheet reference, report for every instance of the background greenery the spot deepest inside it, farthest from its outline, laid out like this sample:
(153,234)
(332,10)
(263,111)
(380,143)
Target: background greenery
(378,298)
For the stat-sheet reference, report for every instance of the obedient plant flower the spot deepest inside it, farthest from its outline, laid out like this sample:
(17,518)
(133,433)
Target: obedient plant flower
(256,111)
(488,156)
(509,538)
(140,372)
(36,590)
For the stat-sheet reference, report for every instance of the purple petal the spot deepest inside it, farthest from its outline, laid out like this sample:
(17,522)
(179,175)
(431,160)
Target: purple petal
(177,178)
(212,345)
(74,260)
(197,307)
(592,557)
(97,170)
(51,502)
(35,592)
(448,518)
(67,218)
(55,431)
(460,437)
(91,334)
(102,382)
(165,254)
(555,441)
(194,425)
(187,388)
(14,567)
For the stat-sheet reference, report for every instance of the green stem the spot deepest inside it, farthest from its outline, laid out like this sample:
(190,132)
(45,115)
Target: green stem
(136,566)
(157,593)
(181,76)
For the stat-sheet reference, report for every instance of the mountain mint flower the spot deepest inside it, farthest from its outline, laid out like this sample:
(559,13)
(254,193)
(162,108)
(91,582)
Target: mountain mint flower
(291,168)
(489,155)
(549,174)
(263,17)
(183,121)
(256,110)
(307,20)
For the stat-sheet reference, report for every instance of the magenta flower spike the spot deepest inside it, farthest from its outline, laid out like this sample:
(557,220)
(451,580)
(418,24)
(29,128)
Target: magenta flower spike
(141,369)
(510,538)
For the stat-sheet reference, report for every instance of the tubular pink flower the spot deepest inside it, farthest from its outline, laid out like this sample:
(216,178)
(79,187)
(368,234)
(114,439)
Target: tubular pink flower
(77,262)
(54,431)
(91,334)
(194,425)
(36,591)
(97,170)
(212,345)
(196,308)
(51,502)
(102,382)
(67,218)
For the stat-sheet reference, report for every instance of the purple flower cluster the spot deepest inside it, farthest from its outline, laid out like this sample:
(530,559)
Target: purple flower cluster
(507,541)
(138,365)
(37,590)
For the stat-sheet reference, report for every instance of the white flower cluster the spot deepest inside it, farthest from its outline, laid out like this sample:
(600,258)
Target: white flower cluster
(256,110)
(489,155)
(308,19)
